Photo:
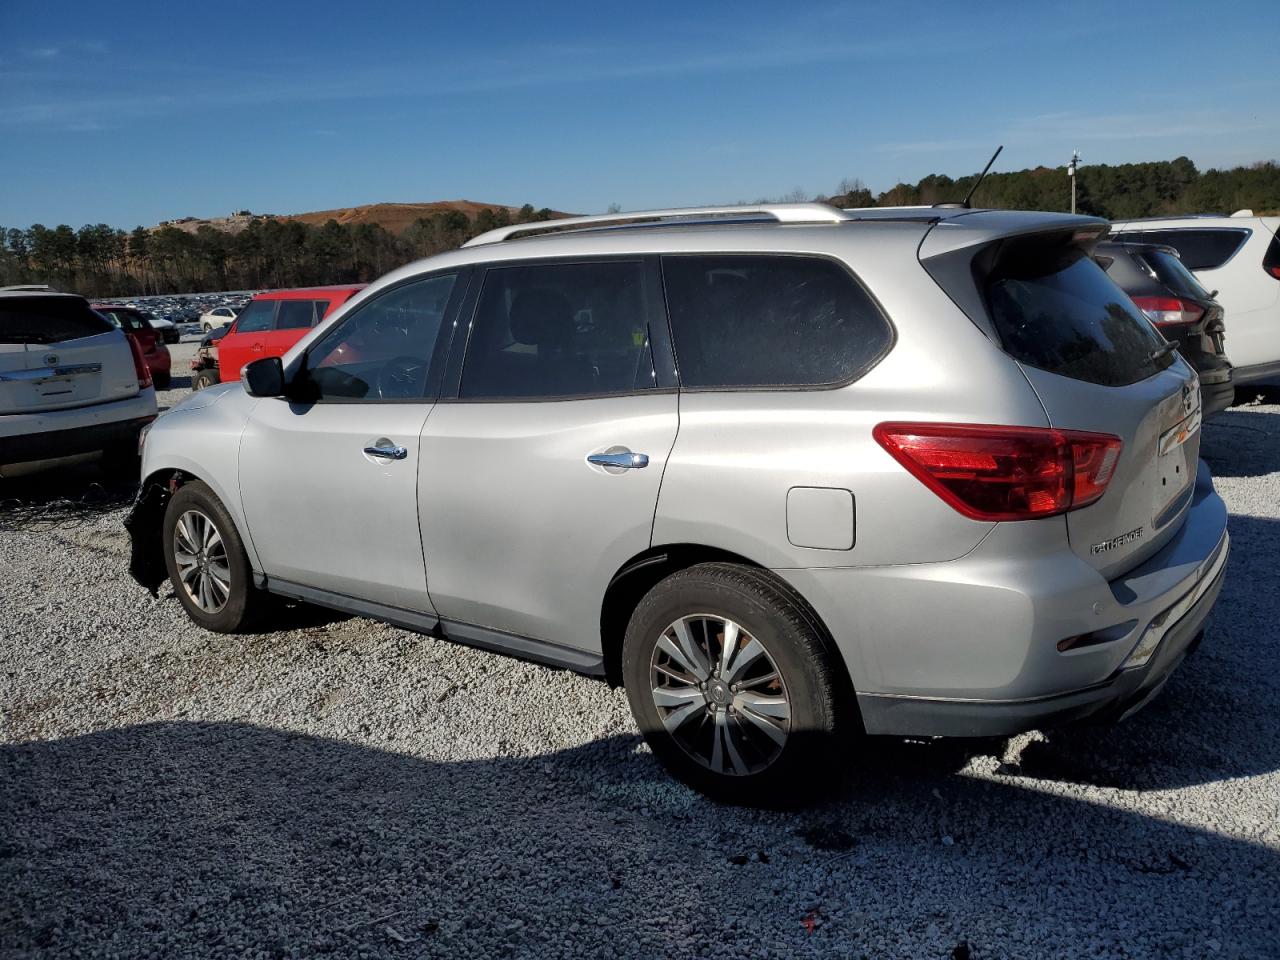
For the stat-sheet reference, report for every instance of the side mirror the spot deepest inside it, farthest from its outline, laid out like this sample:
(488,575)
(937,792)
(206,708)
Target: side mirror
(263,378)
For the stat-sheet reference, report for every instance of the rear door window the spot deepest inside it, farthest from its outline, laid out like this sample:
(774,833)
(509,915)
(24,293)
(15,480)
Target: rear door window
(1055,309)
(48,320)
(742,321)
(295,314)
(548,331)
(256,317)
(1205,249)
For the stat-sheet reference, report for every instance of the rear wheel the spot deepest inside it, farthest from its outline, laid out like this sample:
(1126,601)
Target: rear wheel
(161,380)
(207,562)
(731,685)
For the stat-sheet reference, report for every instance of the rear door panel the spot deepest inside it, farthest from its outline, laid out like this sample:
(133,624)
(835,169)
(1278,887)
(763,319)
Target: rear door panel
(72,373)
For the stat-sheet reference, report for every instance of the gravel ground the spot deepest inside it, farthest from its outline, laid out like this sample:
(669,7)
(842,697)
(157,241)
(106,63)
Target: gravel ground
(339,786)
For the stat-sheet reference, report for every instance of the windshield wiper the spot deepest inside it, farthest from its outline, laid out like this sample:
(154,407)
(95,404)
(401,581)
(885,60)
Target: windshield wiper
(1161,352)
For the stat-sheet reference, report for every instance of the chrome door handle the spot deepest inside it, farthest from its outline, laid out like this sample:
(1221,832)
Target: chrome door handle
(624,461)
(388,452)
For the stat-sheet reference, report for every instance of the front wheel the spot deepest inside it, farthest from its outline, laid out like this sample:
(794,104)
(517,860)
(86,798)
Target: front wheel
(204,378)
(732,686)
(207,562)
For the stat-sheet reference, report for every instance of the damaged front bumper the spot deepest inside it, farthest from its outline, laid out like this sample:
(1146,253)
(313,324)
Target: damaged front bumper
(145,522)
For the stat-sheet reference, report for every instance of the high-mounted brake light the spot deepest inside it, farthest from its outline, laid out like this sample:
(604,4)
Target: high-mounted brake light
(1169,311)
(139,364)
(998,473)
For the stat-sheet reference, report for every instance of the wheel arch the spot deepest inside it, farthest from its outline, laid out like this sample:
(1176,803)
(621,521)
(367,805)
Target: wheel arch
(641,573)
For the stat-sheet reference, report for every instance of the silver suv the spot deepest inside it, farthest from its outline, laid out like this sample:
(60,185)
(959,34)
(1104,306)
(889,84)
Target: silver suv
(788,473)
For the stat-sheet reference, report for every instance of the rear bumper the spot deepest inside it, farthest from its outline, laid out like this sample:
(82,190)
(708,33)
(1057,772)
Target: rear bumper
(1123,695)
(62,433)
(971,647)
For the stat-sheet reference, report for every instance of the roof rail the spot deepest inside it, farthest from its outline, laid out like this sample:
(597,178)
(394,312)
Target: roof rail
(781,212)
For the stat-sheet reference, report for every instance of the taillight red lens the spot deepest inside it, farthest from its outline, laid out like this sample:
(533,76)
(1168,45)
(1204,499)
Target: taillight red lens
(1169,311)
(139,364)
(1004,473)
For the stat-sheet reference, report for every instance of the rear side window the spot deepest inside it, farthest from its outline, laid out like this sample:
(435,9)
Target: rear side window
(300,313)
(741,321)
(1199,249)
(1056,310)
(256,317)
(48,320)
(1169,270)
(564,330)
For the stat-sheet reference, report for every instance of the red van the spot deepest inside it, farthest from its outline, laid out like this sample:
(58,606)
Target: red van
(274,321)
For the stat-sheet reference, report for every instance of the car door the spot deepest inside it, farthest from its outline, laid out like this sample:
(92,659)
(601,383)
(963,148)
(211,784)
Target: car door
(245,340)
(540,473)
(329,480)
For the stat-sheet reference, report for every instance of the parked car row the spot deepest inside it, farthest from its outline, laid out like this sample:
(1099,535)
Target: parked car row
(716,456)
(178,314)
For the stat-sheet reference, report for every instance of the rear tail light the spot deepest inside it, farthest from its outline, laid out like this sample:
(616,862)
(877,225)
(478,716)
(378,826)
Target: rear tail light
(139,364)
(1169,311)
(1004,473)
(1274,271)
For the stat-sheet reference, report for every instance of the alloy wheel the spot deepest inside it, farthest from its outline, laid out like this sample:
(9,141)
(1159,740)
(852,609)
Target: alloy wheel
(201,558)
(720,694)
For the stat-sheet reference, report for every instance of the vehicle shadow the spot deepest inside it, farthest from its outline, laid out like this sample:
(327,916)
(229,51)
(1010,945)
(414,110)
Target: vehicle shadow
(179,383)
(232,840)
(64,492)
(1241,443)
(1217,717)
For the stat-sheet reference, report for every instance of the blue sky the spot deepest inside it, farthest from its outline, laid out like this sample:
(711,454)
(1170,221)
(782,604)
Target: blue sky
(130,113)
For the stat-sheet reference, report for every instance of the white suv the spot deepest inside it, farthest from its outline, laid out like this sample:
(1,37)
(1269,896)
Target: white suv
(1239,257)
(70,382)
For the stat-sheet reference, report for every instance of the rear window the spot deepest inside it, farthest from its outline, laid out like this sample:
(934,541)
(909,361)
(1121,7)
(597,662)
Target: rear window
(770,321)
(300,313)
(48,320)
(1055,309)
(1205,249)
(1169,270)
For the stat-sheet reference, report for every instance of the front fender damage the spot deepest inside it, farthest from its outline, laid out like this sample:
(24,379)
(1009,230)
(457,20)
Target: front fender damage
(144,522)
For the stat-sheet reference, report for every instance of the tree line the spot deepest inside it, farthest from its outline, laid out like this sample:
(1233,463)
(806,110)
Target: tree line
(1115,192)
(100,261)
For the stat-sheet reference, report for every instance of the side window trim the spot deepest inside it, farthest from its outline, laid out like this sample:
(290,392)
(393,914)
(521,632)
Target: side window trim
(890,330)
(439,350)
(659,333)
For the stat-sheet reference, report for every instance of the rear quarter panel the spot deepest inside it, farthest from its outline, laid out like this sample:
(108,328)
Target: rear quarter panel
(738,453)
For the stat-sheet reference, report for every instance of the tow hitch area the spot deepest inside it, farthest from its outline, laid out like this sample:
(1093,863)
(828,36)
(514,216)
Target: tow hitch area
(146,558)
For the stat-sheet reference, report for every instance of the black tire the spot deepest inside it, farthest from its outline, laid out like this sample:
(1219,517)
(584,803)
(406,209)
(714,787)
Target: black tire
(161,380)
(811,683)
(203,378)
(243,601)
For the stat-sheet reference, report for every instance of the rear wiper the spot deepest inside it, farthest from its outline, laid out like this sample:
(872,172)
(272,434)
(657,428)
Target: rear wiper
(1161,352)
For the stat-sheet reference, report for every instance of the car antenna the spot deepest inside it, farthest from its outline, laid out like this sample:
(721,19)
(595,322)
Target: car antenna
(964,204)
